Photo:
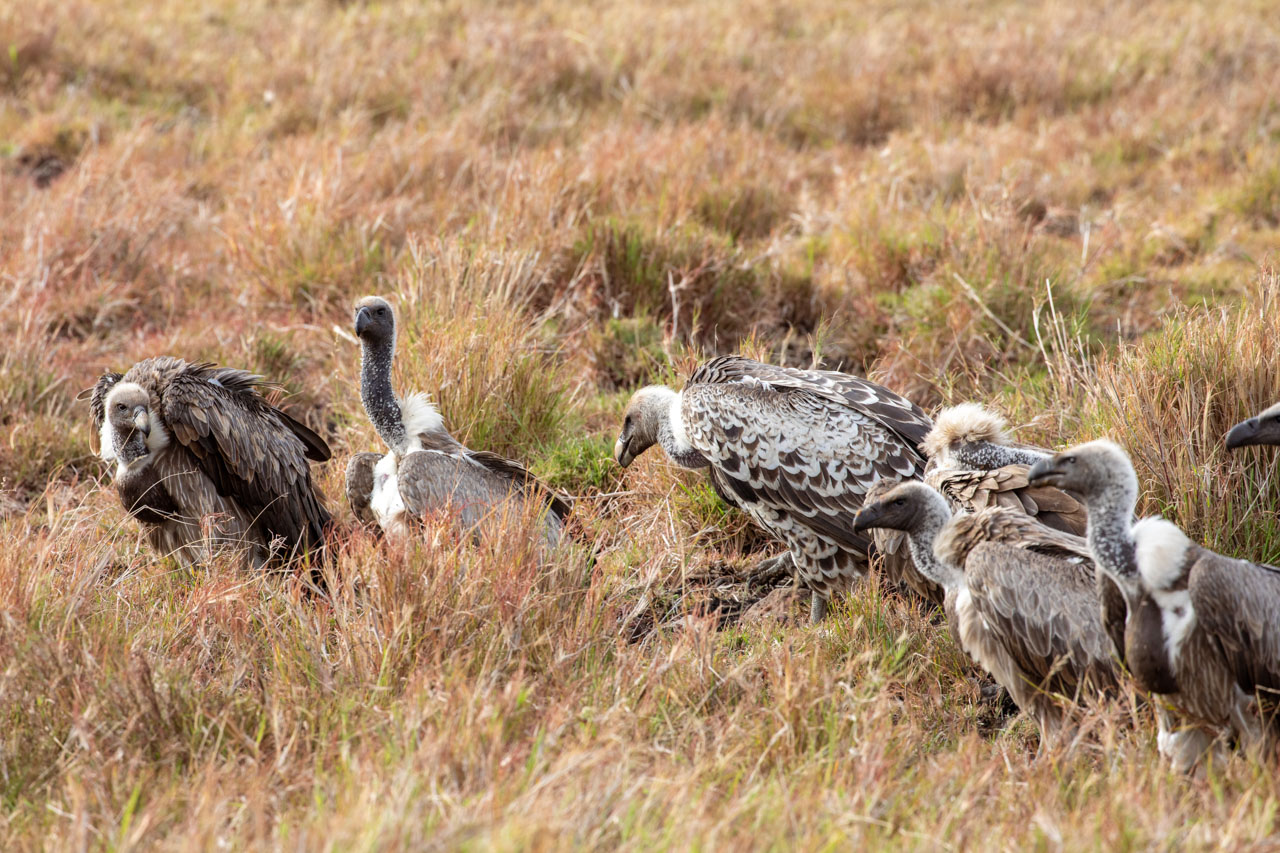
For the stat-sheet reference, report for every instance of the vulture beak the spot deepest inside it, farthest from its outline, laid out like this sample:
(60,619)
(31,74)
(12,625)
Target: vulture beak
(1043,473)
(622,453)
(142,420)
(1244,434)
(362,321)
(867,517)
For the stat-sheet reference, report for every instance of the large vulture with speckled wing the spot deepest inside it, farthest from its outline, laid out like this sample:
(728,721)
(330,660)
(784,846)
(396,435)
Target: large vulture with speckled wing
(795,449)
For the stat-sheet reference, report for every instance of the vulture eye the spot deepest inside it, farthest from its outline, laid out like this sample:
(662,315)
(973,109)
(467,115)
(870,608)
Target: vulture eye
(120,407)
(382,311)
(900,502)
(1070,460)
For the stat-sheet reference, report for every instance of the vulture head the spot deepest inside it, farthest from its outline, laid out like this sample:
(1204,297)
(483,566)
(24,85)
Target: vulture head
(1261,429)
(128,421)
(911,507)
(1092,471)
(967,423)
(375,321)
(646,414)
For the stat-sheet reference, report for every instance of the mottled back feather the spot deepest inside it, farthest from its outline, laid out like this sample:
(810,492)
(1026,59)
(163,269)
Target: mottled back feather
(896,413)
(1238,603)
(252,453)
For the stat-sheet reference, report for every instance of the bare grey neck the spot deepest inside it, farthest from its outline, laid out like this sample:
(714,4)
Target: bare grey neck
(1111,535)
(921,539)
(987,455)
(380,402)
(685,457)
(132,449)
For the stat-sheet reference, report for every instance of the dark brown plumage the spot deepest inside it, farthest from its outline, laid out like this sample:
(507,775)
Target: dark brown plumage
(204,460)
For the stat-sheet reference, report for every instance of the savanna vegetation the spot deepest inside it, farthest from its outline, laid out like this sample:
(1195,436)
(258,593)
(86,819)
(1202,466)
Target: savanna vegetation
(1068,211)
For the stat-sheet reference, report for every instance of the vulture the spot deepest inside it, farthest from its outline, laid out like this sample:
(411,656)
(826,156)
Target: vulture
(206,464)
(1201,632)
(1261,429)
(1020,598)
(795,449)
(974,462)
(426,469)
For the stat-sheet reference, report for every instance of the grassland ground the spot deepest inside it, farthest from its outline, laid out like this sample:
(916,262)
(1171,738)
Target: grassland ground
(1067,211)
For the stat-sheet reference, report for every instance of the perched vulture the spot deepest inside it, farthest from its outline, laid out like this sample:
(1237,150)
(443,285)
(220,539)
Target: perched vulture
(1261,429)
(1202,631)
(1020,598)
(206,464)
(795,449)
(974,462)
(427,470)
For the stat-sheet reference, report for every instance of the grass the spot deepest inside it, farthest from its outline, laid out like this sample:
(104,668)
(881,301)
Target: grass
(1069,213)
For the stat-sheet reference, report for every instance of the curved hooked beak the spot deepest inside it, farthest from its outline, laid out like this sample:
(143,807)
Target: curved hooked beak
(867,517)
(1244,434)
(622,451)
(142,420)
(363,319)
(1043,472)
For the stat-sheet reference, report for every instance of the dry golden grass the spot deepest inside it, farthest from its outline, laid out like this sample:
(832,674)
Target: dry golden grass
(568,200)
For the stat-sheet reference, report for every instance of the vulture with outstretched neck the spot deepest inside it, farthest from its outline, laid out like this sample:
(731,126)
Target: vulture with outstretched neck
(1020,598)
(795,449)
(1202,631)
(426,470)
(206,464)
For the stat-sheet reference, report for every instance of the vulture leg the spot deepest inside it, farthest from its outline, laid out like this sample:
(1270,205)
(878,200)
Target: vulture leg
(817,607)
(1183,745)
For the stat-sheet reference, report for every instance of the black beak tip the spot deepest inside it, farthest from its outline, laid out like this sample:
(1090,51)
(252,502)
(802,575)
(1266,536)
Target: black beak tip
(1039,471)
(362,321)
(1242,434)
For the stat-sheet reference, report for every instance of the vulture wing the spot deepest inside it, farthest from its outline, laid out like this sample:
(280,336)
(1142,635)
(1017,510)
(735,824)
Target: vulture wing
(519,476)
(795,452)
(98,406)
(972,490)
(98,400)
(360,486)
(1045,611)
(249,449)
(1238,604)
(432,480)
(1011,526)
(895,413)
